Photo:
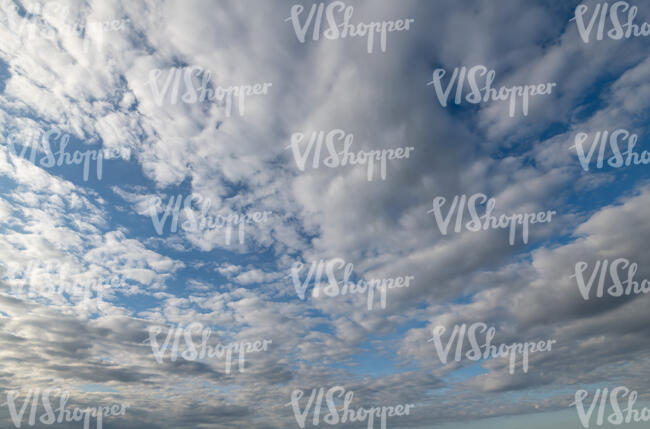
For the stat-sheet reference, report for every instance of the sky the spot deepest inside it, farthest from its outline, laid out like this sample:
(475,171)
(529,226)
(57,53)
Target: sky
(141,198)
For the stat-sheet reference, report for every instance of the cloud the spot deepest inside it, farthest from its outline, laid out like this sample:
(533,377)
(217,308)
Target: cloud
(56,229)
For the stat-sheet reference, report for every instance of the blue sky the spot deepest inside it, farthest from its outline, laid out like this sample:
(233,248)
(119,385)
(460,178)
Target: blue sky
(58,229)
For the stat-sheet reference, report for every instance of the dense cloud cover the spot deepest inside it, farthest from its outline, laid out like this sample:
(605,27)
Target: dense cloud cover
(109,79)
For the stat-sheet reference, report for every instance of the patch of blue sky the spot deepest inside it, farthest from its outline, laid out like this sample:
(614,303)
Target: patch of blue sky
(97,388)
